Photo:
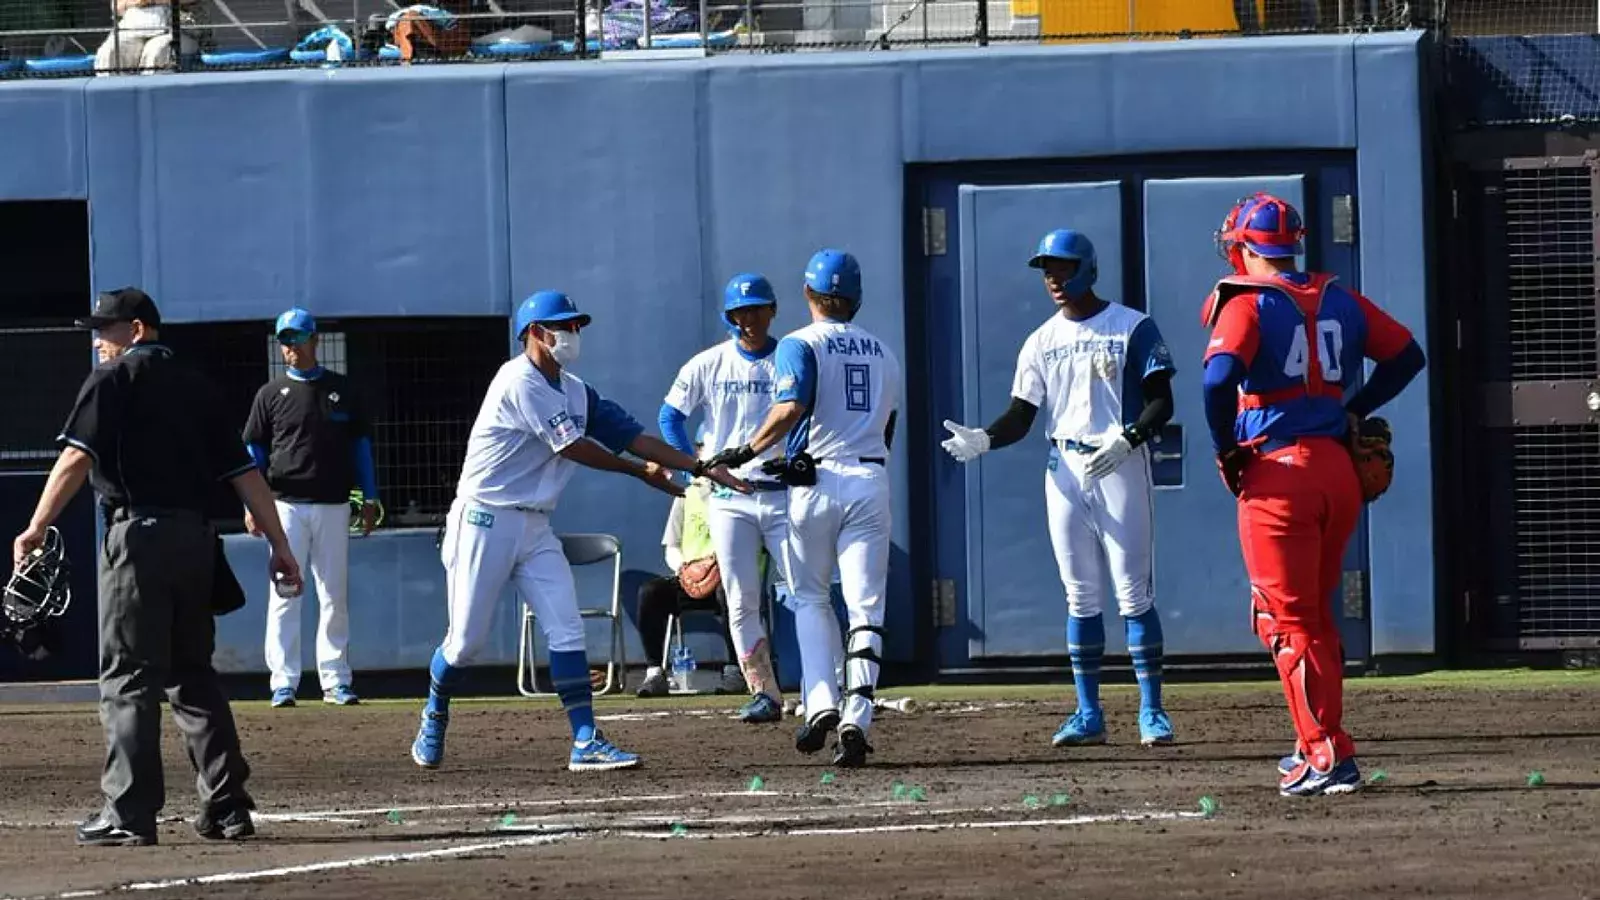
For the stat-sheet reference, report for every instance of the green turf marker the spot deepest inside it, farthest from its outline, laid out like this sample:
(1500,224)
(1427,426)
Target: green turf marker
(897,791)
(1208,807)
(394,817)
(1031,802)
(827,778)
(756,784)
(917,795)
(1535,778)
(508,820)
(1378,777)
(679,830)
(1059,799)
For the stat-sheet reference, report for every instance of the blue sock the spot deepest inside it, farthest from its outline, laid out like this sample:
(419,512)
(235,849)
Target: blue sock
(1144,646)
(1086,644)
(442,678)
(569,670)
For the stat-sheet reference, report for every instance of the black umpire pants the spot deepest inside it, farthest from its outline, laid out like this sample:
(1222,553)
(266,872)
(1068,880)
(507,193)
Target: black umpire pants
(157,635)
(662,597)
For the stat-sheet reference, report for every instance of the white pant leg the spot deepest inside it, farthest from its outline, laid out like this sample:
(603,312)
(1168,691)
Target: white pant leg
(330,564)
(1123,510)
(544,583)
(735,522)
(1074,534)
(863,549)
(480,549)
(282,649)
(814,519)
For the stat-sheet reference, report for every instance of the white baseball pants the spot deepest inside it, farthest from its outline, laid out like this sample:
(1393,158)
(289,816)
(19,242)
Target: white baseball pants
(319,538)
(740,526)
(1096,526)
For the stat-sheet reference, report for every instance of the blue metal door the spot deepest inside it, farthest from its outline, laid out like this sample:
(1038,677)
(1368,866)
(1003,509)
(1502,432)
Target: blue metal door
(1014,595)
(986,533)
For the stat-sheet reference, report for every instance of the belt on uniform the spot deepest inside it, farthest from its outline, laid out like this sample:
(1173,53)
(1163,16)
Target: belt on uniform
(127,513)
(1070,446)
(864,460)
(768,485)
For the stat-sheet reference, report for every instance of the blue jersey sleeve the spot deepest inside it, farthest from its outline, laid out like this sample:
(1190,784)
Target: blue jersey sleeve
(1220,384)
(366,472)
(1147,350)
(795,368)
(258,455)
(610,424)
(674,424)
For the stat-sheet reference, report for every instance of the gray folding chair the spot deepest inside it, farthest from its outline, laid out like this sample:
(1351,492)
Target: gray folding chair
(582,550)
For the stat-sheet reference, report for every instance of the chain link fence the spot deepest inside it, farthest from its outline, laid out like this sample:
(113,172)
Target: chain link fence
(76,37)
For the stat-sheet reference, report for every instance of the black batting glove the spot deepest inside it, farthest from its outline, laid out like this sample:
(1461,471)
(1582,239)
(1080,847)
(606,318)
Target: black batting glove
(733,458)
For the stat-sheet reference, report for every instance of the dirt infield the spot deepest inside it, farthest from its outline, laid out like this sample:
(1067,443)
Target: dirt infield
(986,808)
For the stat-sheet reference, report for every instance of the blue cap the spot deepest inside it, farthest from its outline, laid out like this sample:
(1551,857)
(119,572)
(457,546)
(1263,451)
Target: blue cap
(298,324)
(546,307)
(746,289)
(834,272)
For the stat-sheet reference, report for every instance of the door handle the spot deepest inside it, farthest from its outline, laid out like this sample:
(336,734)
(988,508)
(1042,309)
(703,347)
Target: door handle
(1166,457)
(1160,456)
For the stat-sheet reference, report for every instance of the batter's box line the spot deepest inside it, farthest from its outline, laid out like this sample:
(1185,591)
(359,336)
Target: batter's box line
(1072,821)
(353,815)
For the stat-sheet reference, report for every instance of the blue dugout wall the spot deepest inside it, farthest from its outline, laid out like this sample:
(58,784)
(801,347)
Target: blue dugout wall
(640,187)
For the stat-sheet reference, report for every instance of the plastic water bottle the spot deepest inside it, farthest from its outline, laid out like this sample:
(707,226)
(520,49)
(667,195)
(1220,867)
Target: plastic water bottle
(682,666)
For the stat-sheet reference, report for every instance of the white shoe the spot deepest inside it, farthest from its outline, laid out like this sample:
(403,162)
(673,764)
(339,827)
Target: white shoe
(655,683)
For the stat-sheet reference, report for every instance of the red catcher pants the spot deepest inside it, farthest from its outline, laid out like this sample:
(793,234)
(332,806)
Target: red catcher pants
(1297,509)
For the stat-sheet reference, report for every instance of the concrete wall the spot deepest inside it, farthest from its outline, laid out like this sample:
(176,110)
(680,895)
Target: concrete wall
(640,187)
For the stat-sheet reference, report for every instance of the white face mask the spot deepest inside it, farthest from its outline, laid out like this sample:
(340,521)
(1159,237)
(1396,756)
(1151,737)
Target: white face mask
(566,348)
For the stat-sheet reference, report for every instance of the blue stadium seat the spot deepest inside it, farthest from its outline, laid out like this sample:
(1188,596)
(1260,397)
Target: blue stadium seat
(716,39)
(246,57)
(61,64)
(513,48)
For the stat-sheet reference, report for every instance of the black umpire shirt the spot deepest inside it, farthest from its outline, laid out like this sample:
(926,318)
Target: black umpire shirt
(309,428)
(156,432)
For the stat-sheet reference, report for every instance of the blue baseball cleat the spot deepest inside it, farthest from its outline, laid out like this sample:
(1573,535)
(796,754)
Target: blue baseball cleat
(760,710)
(1154,727)
(1086,726)
(282,698)
(1291,762)
(427,750)
(598,755)
(341,696)
(1306,781)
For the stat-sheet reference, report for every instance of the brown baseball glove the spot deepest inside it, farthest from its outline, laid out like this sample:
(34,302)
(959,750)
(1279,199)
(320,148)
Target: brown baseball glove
(1369,449)
(700,578)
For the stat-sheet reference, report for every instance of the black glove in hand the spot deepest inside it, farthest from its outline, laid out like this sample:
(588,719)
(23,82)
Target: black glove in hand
(733,458)
(1230,465)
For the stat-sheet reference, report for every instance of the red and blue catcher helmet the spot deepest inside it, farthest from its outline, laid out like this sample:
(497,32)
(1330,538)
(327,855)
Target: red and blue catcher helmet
(1269,226)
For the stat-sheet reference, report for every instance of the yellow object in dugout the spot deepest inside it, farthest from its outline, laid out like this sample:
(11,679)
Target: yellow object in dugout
(1089,21)
(357,499)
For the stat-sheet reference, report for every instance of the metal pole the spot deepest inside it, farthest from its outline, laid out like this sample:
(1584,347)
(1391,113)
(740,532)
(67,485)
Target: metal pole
(648,8)
(705,30)
(582,41)
(177,37)
(1131,17)
(116,38)
(983,23)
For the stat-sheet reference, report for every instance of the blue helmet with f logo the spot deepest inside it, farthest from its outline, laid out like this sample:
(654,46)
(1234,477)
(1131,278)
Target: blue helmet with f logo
(1064,243)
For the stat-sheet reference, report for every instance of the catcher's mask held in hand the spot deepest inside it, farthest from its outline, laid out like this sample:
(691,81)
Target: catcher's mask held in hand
(40,588)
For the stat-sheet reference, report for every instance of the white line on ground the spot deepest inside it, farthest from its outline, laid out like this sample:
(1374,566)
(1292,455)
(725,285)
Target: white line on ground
(1005,823)
(329,866)
(327,815)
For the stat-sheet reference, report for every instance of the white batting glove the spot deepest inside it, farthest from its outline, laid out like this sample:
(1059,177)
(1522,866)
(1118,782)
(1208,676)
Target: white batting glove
(1107,458)
(965,444)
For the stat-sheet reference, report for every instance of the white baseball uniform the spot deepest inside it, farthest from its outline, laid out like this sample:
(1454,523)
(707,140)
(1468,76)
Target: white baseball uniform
(1087,377)
(734,387)
(849,383)
(498,529)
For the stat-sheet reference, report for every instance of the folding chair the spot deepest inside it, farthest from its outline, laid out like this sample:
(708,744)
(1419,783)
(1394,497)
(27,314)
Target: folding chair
(582,550)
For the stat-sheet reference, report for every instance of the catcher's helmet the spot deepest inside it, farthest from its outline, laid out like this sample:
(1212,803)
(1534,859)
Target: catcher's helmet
(1064,243)
(835,272)
(746,289)
(1269,226)
(41,587)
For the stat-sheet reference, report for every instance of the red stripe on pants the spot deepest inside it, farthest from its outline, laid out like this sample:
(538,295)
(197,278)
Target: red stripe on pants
(1297,509)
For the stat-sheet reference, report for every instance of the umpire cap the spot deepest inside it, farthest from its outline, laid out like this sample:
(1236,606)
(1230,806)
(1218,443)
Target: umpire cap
(122,305)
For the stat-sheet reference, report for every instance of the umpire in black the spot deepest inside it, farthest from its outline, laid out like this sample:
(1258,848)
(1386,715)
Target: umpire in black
(148,434)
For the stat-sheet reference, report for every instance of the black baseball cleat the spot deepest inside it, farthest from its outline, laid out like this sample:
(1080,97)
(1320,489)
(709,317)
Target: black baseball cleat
(225,825)
(813,735)
(98,831)
(852,749)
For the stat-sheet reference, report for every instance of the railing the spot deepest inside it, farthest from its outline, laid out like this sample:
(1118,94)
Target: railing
(77,37)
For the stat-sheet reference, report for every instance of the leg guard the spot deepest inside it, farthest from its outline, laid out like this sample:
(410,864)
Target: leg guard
(1302,688)
(863,658)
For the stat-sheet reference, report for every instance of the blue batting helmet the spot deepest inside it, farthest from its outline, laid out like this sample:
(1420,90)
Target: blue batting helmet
(746,289)
(546,307)
(1269,226)
(835,272)
(1064,243)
